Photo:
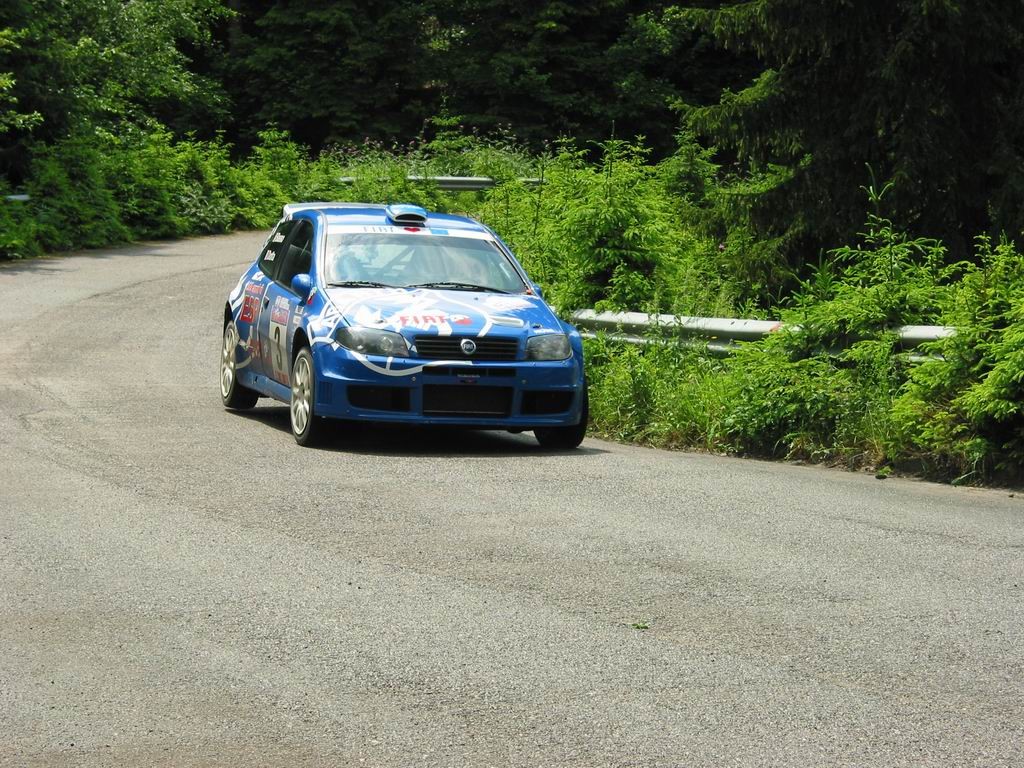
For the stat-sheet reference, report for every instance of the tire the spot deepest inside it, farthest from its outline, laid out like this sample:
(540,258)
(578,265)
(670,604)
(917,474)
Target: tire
(565,438)
(307,428)
(234,395)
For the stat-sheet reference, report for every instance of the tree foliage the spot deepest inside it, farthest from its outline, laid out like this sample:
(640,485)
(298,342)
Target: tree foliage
(544,69)
(86,64)
(10,117)
(926,93)
(332,72)
(547,69)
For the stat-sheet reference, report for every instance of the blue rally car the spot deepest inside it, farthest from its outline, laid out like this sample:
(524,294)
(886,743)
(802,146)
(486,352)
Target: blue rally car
(391,314)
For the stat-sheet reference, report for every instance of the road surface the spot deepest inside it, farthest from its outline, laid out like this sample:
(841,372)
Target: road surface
(184,586)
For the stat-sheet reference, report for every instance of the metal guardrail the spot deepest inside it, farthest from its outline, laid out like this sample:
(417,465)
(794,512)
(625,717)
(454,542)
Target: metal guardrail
(452,183)
(17,198)
(719,335)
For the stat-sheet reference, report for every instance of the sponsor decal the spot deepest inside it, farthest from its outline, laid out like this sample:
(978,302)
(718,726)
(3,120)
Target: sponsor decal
(472,234)
(251,302)
(279,237)
(249,307)
(281,310)
(269,255)
(426,321)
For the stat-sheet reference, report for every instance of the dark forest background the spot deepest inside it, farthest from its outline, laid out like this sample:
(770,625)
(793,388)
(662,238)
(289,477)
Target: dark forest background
(798,99)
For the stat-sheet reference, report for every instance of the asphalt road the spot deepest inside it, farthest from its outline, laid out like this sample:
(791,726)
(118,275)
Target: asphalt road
(184,586)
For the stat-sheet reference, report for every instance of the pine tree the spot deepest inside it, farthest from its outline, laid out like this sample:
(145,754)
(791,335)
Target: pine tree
(332,72)
(546,69)
(925,93)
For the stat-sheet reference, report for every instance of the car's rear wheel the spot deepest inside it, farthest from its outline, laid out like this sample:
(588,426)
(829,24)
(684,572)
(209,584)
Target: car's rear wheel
(307,427)
(565,438)
(233,394)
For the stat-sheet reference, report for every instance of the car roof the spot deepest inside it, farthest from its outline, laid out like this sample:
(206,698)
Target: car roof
(368,214)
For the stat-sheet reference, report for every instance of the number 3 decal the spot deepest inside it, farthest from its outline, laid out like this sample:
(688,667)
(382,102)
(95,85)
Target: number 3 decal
(278,350)
(279,341)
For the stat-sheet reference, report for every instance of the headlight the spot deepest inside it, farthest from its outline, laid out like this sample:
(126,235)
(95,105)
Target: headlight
(372,341)
(550,346)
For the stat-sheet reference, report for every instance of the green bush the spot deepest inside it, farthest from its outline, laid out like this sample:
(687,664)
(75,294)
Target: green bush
(964,416)
(662,394)
(610,234)
(836,387)
(206,189)
(141,170)
(71,202)
(17,228)
(106,188)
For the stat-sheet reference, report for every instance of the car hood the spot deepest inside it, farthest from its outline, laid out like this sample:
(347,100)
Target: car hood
(444,312)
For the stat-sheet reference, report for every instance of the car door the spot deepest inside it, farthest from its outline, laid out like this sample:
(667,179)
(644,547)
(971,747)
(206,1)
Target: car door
(294,256)
(254,296)
(257,302)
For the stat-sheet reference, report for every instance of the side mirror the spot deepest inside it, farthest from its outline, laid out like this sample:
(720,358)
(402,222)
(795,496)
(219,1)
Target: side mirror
(302,285)
(537,290)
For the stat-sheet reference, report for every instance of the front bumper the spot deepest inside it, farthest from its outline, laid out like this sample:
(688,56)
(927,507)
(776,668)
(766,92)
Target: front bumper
(499,395)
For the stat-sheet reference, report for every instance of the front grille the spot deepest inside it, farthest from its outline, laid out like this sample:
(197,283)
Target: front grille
(379,398)
(538,403)
(463,400)
(448,348)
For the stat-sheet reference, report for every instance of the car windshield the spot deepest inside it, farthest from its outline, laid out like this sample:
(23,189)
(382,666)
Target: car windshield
(419,260)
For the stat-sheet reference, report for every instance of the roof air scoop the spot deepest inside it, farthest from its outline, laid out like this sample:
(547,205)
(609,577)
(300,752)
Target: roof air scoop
(406,215)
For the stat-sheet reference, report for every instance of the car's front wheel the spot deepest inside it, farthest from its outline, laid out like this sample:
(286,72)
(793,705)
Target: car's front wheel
(565,438)
(307,427)
(234,395)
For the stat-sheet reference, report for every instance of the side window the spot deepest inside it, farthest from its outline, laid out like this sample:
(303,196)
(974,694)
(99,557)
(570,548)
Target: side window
(297,257)
(270,259)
